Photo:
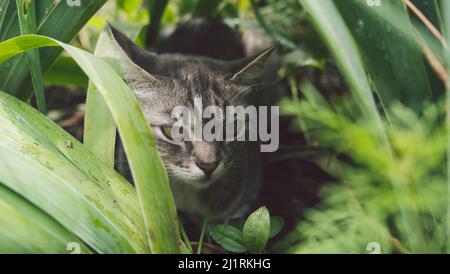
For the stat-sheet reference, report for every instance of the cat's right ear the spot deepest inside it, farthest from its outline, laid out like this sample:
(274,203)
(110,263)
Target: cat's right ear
(249,70)
(130,57)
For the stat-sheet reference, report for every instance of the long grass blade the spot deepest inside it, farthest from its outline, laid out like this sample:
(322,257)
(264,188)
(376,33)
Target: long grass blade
(26,10)
(3,10)
(99,126)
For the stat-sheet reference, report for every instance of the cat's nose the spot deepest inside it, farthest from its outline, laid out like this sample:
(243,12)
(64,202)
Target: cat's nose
(207,167)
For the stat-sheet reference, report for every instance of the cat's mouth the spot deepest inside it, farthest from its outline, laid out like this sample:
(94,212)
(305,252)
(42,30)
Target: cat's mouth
(196,178)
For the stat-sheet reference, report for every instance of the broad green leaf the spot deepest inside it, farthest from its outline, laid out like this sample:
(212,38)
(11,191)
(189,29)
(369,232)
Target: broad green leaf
(24,228)
(154,195)
(229,237)
(67,181)
(276,225)
(384,36)
(257,230)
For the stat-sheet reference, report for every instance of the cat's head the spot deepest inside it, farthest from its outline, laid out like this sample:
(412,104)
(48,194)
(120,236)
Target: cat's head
(163,82)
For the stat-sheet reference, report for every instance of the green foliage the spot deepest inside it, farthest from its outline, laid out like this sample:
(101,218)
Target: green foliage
(331,26)
(229,237)
(27,20)
(157,211)
(386,132)
(276,225)
(103,209)
(53,21)
(258,228)
(378,33)
(24,228)
(363,207)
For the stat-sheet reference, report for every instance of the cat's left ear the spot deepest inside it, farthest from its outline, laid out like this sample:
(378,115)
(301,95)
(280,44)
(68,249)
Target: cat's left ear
(248,70)
(133,61)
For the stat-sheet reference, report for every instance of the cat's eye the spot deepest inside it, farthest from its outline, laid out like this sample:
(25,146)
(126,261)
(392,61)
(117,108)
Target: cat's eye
(167,131)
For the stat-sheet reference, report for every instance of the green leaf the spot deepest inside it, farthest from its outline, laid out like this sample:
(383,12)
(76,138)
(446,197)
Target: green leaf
(154,195)
(229,237)
(24,228)
(3,11)
(276,225)
(257,230)
(385,34)
(67,181)
(26,10)
(99,126)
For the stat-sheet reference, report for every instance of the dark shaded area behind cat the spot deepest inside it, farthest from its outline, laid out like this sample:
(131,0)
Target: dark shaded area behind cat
(203,37)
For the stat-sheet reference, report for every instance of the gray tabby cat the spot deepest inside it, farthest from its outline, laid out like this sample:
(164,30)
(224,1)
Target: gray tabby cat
(221,178)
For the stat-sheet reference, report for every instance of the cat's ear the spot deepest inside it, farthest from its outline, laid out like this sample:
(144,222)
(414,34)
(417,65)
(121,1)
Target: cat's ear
(248,70)
(131,58)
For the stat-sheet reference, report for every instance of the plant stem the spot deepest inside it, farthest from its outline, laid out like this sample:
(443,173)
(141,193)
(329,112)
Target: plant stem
(202,234)
(185,237)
